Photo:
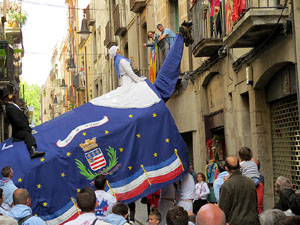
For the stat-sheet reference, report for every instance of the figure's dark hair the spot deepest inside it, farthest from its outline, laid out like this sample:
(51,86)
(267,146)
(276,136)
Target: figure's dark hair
(245,154)
(120,209)
(100,182)
(1,193)
(159,25)
(177,216)
(5,171)
(86,199)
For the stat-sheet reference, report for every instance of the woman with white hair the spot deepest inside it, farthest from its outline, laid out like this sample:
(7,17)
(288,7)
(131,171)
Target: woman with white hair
(269,217)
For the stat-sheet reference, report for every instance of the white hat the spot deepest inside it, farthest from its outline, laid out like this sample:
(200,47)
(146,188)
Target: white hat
(113,51)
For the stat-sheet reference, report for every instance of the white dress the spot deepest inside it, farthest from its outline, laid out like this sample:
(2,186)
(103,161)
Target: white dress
(134,92)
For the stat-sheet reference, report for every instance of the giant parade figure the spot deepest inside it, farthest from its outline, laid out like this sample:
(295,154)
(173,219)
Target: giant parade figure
(127,134)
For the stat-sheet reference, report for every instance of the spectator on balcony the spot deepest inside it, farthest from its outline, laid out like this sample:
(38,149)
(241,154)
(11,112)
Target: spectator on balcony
(21,131)
(166,34)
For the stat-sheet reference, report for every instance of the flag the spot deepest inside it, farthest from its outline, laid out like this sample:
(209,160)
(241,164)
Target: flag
(140,150)
(153,59)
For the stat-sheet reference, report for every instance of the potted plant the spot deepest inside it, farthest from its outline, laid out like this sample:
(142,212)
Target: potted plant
(16,17)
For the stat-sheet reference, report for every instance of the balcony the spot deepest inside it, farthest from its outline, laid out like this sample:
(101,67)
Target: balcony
(6,63)
(257,19)
(207,39)
(90,14)
(119,20)
(109,37)
(137,5)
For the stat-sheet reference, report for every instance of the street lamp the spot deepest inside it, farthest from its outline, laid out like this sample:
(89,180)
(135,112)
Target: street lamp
(71,65)
(84,32)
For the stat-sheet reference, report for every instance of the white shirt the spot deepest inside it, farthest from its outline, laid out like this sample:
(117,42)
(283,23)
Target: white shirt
(105,203)
(186,188)
(86,219)
(201,189)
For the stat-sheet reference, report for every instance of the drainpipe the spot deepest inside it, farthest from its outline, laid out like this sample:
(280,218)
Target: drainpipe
(138,36)
(110,60)
(190,46)
(155,13)
(295,4)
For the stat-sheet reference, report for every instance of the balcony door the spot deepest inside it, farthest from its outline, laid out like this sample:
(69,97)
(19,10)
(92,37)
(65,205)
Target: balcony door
(174,15)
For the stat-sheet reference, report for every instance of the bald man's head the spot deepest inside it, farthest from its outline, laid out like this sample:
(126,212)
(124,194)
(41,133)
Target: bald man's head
(21,196)
(232,164)
(210,214)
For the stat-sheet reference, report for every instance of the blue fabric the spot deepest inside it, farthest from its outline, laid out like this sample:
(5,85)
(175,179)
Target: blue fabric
(170,36)
(8,187)
(117,60)
(20,211)
(115,219)
(168,74)
(129,137)
(218,183)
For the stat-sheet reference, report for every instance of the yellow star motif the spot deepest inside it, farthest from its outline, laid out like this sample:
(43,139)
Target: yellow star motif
(121,149)
(154,115)
(45,204)
(130,116)
(63,174)
(78,190)
(35,214)
(20,180)
(42,159)
(155,154)
(138,135)
(167,140)
(129,167)
(68,153)
(84,133)
(106,132)
(39,186)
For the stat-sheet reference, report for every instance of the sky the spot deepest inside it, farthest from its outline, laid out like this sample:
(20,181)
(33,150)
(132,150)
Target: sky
(46,25)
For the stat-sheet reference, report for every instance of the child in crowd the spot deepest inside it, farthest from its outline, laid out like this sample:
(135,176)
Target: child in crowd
(119,215)
(248,166)
(154,217)
(201,192)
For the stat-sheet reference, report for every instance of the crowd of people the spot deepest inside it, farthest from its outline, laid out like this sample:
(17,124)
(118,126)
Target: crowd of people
(184,202)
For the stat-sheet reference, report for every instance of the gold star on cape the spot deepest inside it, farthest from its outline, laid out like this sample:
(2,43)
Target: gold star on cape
(154,115)
(84,133)
(138,135)
(155,154)
(129,167)
(63,174)
(78,190)
(130,116)
(68,153)
(20,180)
(45,204)
(39,186)
(106,132)
(121,149)
(42,159)
(167,140)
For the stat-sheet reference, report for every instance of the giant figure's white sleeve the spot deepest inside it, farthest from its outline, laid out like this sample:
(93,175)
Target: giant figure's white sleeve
(127,68)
